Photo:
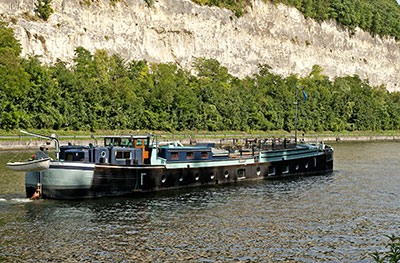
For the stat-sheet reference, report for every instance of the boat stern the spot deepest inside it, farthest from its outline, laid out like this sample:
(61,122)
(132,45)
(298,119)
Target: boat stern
(63,180)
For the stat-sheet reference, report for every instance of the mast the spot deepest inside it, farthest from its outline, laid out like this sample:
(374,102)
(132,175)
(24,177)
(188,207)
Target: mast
(295,122)
(51,137)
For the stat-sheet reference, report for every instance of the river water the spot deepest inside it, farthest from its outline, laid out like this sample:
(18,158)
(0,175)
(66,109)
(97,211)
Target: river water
(339,217)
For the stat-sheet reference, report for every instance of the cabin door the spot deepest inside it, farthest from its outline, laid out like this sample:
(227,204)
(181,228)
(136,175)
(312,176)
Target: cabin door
(144,145)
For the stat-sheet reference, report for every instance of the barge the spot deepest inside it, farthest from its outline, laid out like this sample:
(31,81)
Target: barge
(130,165)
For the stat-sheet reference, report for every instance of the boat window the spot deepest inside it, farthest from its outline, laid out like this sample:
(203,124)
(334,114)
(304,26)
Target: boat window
(174,156)
(122,155)
(189,155)
(241,173)
(108,142)
(139,142)
(70,157)
(126,142)
(204,155)
(315,162)
(75,156)
(145,142)
(258,171)
(212,176)
(116,141)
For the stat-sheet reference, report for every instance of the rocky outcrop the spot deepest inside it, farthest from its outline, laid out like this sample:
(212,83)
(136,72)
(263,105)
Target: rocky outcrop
(178,30)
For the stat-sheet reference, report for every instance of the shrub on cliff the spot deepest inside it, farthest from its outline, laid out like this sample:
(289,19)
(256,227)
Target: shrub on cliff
(237,6)
(43,9)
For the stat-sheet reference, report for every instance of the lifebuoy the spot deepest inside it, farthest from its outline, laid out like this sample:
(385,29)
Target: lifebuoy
(103,154)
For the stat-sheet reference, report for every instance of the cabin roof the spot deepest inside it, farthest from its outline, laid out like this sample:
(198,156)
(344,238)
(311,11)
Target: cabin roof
(126,136)
(186,149)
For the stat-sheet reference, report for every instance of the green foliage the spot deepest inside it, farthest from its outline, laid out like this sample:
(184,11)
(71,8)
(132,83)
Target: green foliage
(8,41)
(237,6)
(392,254)
(149,2)
(113,2)
(379,17)
(102,92)
(43,9)
(14,81)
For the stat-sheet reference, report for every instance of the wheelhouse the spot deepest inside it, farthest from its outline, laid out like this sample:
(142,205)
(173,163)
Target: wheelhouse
(138,142)
(119,150)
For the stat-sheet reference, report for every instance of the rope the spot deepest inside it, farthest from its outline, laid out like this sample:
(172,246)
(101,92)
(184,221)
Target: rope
(18,154)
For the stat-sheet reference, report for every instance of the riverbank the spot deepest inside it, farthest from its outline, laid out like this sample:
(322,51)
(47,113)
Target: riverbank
(29,142)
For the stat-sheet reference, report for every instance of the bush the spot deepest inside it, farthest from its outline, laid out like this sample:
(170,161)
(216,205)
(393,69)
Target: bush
(43,9)
(392,255)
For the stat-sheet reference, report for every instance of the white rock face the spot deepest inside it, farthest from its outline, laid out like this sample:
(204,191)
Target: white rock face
(178,30)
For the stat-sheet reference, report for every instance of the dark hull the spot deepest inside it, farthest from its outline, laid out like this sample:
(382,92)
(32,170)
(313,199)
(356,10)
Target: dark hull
(111,180)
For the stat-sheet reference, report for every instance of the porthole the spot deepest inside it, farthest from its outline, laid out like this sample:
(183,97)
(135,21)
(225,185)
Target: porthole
(163,178)
(271,170)
(196,177)
(297,167)
(226,174)
(258,171)
(212,176)
(315,162)
(306,165)
(180,178)
(285,169)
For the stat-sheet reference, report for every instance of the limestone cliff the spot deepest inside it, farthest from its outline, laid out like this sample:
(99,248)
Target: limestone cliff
(178,30)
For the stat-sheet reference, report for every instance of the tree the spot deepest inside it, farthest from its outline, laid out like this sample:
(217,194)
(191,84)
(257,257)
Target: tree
(13,81)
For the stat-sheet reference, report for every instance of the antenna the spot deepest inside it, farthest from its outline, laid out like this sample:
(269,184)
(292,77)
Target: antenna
(295,122)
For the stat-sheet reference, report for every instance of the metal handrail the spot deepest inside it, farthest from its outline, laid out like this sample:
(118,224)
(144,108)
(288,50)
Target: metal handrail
(51,137)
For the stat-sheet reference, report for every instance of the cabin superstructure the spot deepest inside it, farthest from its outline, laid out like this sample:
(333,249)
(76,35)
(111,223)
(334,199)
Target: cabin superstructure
(122,150)
(141,142)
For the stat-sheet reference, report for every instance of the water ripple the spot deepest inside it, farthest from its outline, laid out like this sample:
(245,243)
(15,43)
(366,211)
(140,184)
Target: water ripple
(340,217)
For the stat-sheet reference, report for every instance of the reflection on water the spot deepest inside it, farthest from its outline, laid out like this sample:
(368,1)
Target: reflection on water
(12,183)
(339,217)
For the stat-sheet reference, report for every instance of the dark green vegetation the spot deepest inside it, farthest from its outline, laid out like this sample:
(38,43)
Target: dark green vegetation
(43,9)
(237,6)
(392,254)
(104,92)
(379,17)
